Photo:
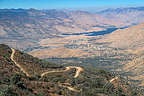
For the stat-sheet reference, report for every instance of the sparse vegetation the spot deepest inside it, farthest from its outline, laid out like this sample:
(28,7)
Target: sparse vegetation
(90,82)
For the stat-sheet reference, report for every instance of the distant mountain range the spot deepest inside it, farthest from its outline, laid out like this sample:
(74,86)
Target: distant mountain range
(130,16)
(26,27)
(122,10)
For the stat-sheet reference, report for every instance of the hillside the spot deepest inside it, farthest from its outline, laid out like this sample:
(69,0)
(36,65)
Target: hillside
(131,41)
(135,69)
(24,75)
(61,52)
(128,38)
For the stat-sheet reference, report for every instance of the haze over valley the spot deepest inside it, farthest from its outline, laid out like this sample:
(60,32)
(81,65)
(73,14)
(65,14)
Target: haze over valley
(65,52)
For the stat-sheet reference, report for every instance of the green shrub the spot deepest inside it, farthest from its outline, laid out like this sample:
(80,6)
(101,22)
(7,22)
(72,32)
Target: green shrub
(7,91)
(40,94)
(15,79)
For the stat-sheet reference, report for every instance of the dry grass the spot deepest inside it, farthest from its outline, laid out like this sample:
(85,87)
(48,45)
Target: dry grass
(61,52)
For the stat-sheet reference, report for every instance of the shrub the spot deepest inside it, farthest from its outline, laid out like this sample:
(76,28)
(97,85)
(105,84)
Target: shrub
(7,91)
(15,79)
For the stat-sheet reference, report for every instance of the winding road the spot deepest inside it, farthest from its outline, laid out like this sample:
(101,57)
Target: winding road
(18,65)
(78,70)
(68,86)
(113,79)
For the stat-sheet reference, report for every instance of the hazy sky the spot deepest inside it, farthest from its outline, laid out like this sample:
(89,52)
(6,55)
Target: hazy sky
(69,4)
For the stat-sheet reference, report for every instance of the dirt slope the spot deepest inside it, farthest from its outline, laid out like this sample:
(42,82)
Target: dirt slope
(131,37)
(61,52)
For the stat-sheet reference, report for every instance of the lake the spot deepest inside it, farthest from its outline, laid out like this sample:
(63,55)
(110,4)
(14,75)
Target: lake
(95,33)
